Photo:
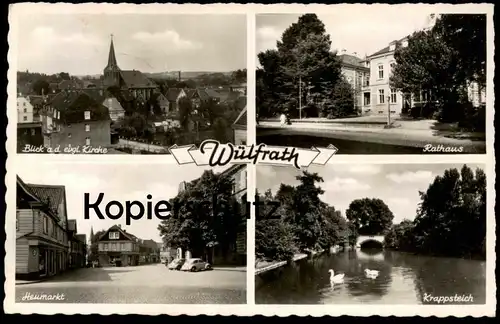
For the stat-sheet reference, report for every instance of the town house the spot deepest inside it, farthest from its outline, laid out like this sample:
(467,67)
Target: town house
(119,248)
(77,246)
(73,118)
(41,230)
(355,72)
(240,128)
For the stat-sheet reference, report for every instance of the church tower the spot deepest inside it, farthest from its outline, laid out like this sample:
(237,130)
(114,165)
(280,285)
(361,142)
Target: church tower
(112,71)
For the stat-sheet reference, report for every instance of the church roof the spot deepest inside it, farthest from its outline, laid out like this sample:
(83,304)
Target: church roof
(112,63)
(136,79)
(173,93)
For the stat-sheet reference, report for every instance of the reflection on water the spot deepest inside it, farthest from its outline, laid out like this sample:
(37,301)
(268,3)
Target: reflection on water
(403,279)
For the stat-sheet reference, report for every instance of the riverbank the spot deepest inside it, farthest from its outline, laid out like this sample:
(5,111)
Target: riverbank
(264,266)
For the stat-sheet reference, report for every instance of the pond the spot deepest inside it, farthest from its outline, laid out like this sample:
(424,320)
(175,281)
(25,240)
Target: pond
(403,279)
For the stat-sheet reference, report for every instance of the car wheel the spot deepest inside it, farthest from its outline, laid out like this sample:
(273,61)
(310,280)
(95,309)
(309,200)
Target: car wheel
(193,269)
(208,267)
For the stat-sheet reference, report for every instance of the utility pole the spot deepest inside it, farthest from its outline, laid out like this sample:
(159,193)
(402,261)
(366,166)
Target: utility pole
(388,111)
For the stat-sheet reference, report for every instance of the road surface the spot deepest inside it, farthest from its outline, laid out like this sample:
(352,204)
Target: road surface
(151,284)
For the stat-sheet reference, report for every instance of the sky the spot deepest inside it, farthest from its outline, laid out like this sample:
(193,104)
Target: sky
(79,43)
(396,184)
(120,182)
(361,32)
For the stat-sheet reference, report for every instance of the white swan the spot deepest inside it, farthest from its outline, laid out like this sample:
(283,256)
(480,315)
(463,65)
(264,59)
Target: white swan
(372,274)
(336,278)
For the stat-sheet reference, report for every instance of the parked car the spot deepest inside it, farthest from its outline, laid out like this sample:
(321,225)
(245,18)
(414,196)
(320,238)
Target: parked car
(196,264)
(176,264)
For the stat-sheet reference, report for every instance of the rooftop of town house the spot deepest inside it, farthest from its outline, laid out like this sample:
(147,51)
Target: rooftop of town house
(51,195)
(72,105)
(72,225)
(387,49)
(82,237)
(173,93)
(348,60)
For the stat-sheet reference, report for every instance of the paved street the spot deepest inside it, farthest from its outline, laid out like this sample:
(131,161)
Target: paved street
(152,284)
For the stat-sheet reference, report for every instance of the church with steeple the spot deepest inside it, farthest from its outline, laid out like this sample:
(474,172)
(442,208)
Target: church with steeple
(138,84)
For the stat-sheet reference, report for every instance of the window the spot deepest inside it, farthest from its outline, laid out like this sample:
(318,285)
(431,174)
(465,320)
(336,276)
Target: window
(45,225)
(87,141)
(113,246)
(87,127)
(393,96)
(114,235)
(25,118)
(25,110)
(33,132)
(69,135)
(87,115)
(381,71)
(122,247)
(17,221)
(381,98)
(106,247)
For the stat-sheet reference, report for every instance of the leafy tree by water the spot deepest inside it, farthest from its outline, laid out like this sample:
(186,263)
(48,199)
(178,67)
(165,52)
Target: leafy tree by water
(370,216)
(451,217)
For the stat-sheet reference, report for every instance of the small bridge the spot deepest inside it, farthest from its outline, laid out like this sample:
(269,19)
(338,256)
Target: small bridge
(363,239)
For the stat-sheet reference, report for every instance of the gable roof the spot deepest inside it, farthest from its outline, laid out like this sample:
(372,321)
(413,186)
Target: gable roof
(73,104)
(136,79)
(348,60)
(51,195)
(387,49)
(72,225)
(119,229)
(82,237)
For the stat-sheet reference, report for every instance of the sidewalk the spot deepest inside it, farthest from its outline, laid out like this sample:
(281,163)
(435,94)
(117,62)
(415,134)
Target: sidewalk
(266,266)
(27,282)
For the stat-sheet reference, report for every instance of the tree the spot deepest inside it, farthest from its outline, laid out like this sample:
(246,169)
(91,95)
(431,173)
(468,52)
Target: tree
(220,129)
(451,218)
(64,76)
(343,100)
(274,238)
(185,111)
(204,215)
(94,246)
(400,236)
(370,216)
(302,66)
(41,87)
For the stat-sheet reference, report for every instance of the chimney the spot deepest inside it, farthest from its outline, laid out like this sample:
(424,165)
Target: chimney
(179,76)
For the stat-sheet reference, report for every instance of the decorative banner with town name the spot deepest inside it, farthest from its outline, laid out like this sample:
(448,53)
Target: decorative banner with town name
(213,153)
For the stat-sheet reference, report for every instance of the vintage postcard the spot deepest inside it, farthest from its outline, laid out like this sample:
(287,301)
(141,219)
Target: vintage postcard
(128,83)
(389,81)
(302,160)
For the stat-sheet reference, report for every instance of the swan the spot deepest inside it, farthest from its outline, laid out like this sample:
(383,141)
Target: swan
(336,278)
(371,273)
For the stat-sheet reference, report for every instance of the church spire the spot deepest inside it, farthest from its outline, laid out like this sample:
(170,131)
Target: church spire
(112,64)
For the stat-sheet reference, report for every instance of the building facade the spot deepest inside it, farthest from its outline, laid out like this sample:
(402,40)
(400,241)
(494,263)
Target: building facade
(378,97)
(116,247)
(74,118)
(42,246)
(25,110)
(77,246)
(356,73)
(240,128)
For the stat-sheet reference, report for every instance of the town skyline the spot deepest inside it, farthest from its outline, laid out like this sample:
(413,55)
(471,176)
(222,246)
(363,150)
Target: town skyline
(348,32)
(147,43)
(119,182)
(397,185)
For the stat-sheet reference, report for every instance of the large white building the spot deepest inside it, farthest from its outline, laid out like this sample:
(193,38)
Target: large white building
(355,72)
(24,110)
(378,97)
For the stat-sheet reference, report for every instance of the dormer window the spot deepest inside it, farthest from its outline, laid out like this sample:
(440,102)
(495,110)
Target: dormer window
(405,43)
(87,115)
(392,47)
(114,235)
